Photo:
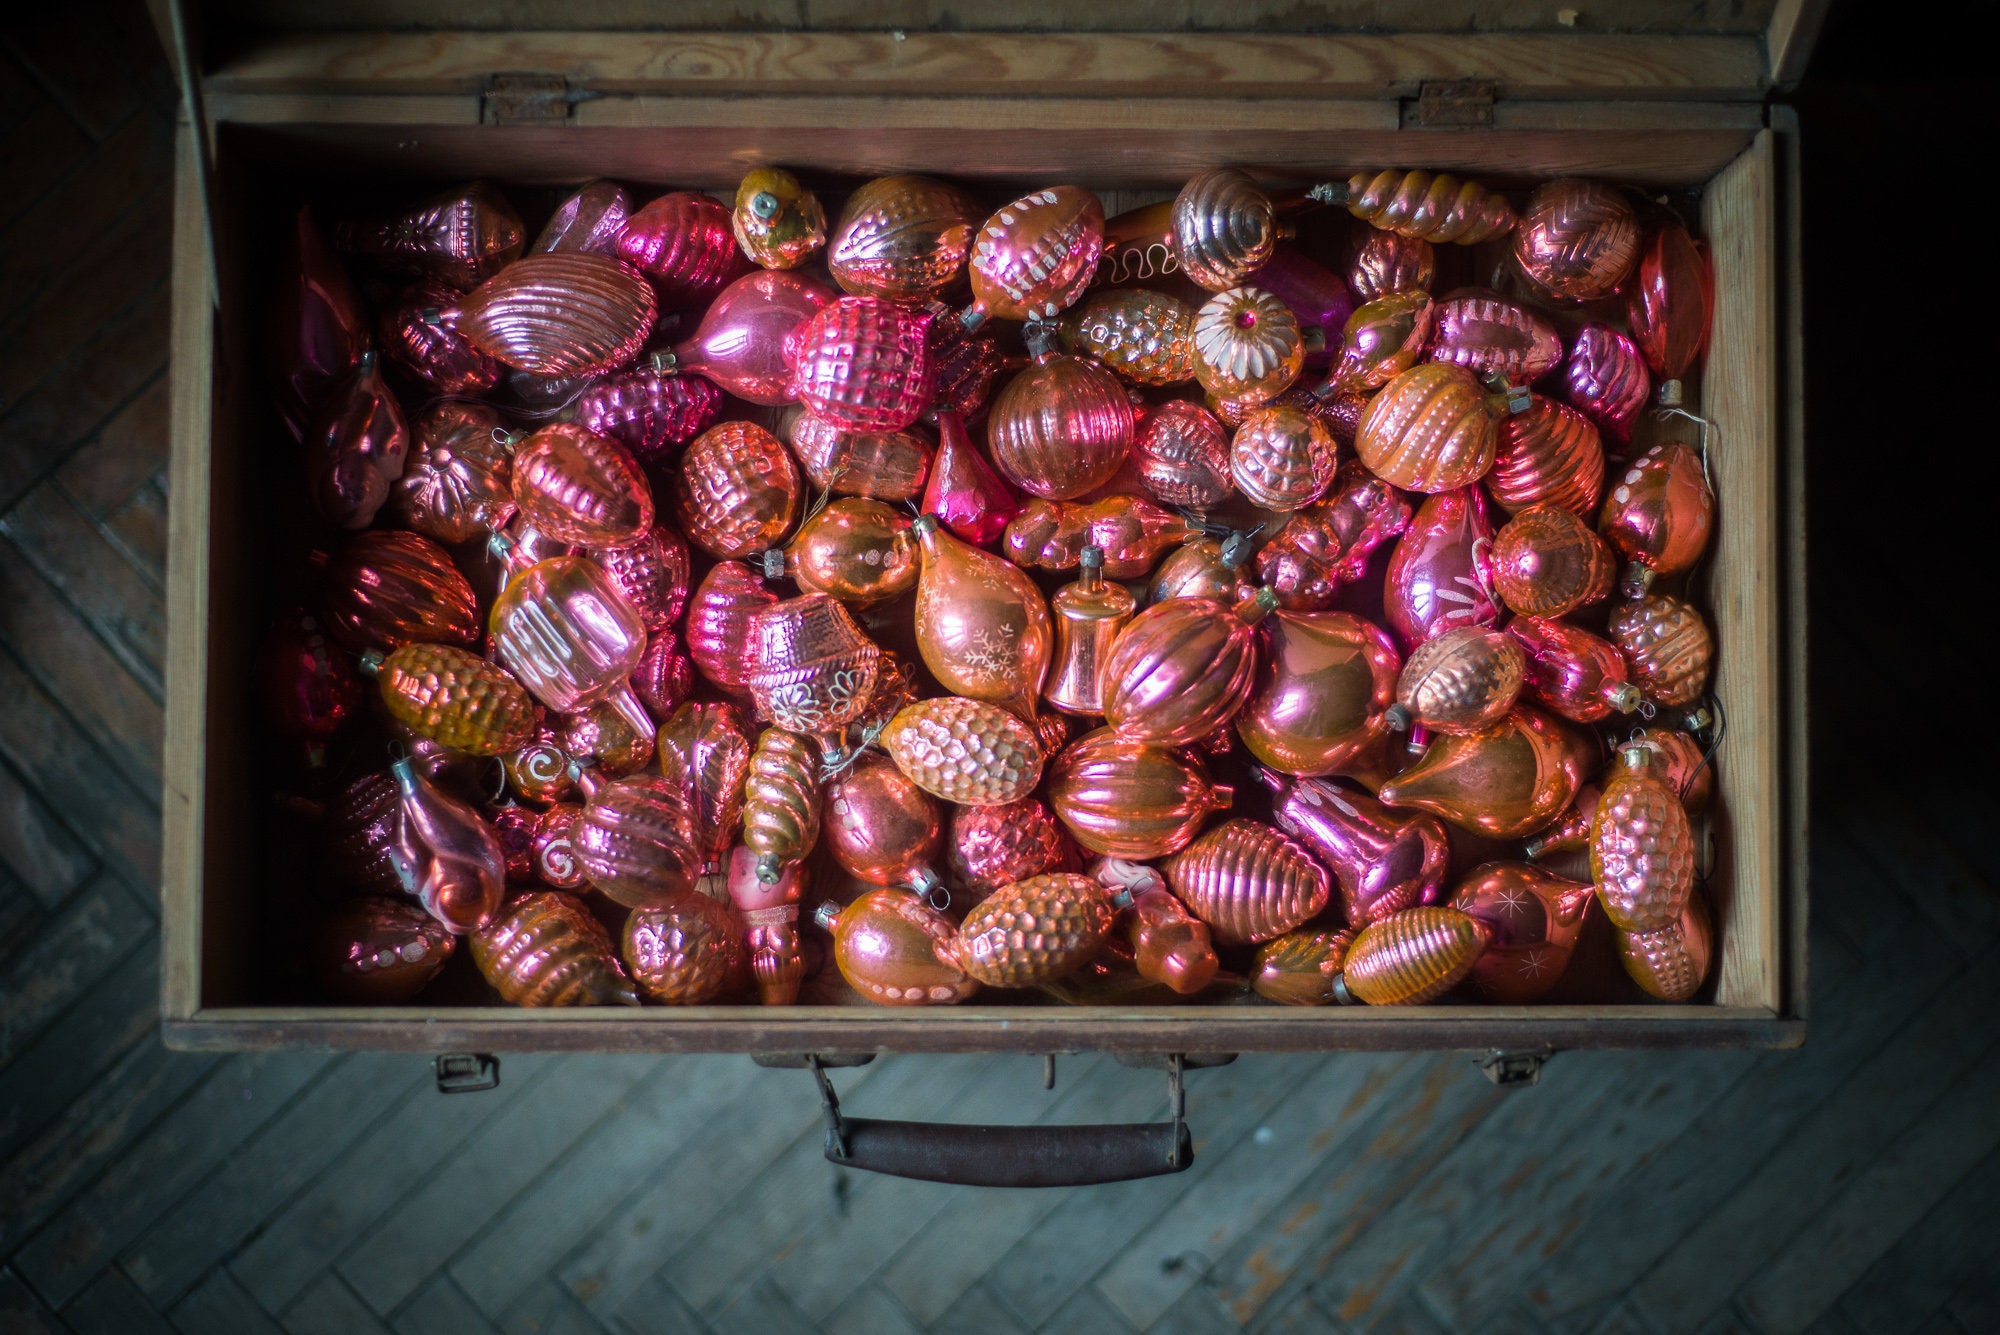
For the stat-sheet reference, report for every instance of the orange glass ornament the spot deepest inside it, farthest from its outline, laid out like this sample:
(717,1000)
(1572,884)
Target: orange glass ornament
(1060,428)
(1671,301)
(1577,239)
(1247,346)
(1641,846)
(886,465)
(457,484)
(1089,615)
(1387,262)
(856,550)
(1435,207)
(1667,645)
(965,751)
(1183,668)
(1463,680)
(566,632)
(737,491)
(881,828)
(636,841)
(1035,256)
(1550,453)
(1034,931)
(1205,568)
(1547,562)
(1433,428)
(1691,773)
(903,238)
(1671,962)
(1223,228)
(1572,672)
(1533,918)
(547,949)
(776,220)
(1146,337)
(895,950)
(1412,957)
(770,912)
(981,624)
(1281,458)
(1131,799)
(687,953)
(1658,514)
(704,751)
(1507,782)
(1300,968)
(1181,454)
(456,698)
(781,802)
(1320,702)
(1381,340)
(1130,532)
(561,314)
(377,952)
(718,623)
(578,487)
(1248,882)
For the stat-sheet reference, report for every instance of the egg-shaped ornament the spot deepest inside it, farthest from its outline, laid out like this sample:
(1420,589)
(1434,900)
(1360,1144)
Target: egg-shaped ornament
(307,689)
(383,590)
(561,314)
(738,490)
(687,953)
(318,327)
(1659,514)
(1034,931)
(776,220)
(1667,645)
(1484,332)
(863,364)
(417,332)
(1387,262)
(1282,458)
(451,860)
(456,698)
(781,802)
(882,828)
(566,632)
(651,410)
(1671,300)
(965,751)
(590,221)
(1440,575)
(1605,379)
(548,949)
(1061,427)
(1433,428)
(740,343)
(1671,962)
(457,483)
(718,623)
(1323,547)
(356,444)
(1383,861)
(636,841)
(1183,668)
(884,465)
(375,951)
(1382,339)
(1248,882)
(704,751)
(1223,228)
(1181,453)
(988,847)
(965,492)
(1577,240)
(1641,846)
(1533,918)
(1301,967)
(463,235)
(1088,616)
(812,668)
(1247,346)
(1420,204)
(1319,703)
(982,625)
(1507,782)
(894,950)
(1130,531)
(578,487)
(682,241)
(1548,563)
(902,238)
(1206,568)
(1572,672)
(1412,957)
(1463,680)
(856,550)
(1549,453)
(1146,337)
(1130,799)
(1033,258)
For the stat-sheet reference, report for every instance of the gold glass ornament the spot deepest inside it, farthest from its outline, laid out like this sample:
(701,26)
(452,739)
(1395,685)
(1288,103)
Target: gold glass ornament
(1547,563)
(856,550)
(1667,645)
(781,801)
(1433,428)
(778,222)
(895,950)
(1088,617)
(687,953)
(1433,207)
(1131,799)
(547,949)
(1282,458)
(1641,846)
(982,626)
(1183,668)
(1414,956)
(1034,931)
(1206,568)
(1247,346)
(1146,337)
(1320,703)
(1463,680)
(965,751)
(456,698)
(1381,340)
(1248,882)
(1507,782)
(1299,968)
(737,490)
(1224,228)
(1671,962)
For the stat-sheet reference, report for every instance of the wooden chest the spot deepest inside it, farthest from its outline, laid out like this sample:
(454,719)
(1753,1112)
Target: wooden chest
(1135,111)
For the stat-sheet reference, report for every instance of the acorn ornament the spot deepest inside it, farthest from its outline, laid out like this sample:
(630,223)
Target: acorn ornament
(546,949)
(1412,957)
(1301,968)
(1641,846)
(1548,563)
(778,222)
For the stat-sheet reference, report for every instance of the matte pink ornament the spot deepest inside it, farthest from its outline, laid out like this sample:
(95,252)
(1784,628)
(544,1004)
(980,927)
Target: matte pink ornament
(1384,861)
(650,409)
(355,447)
(1482,331)
(682,242)
(1606,380)
(740,342)
(1438,577)
(863,364)
(416,332)
(965,492)
(318,326)
(460,871)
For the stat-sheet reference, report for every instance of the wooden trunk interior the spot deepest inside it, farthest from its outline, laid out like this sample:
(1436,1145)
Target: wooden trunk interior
(267,153)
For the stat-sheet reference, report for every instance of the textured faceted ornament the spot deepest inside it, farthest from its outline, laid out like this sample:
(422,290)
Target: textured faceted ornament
(355,446)
(988,847)
(1247,346)
(1147,337)
(1326,546)
(1382,339)
(1383,861)
(377,952)
(1223,228)
(385,590)
(566,632)
(1659,514)
(1671,962)
(1507,782)
(318,329)
(1439,576)
(1433,428)
(856,550)
(1572,672)
(1060,428)
(812,668)
(1671,301)
(1641,846)
(1577,239)
(1550,453)
(683,243)
(895,950)
(981,624)
(1281,458)
(1533,918)
(902,238)
(1418,204)
(652,573)
(1463,680)
(1414,956)
(1484,332)
(965,751)
(781,802)
(1181,454)
(1547,563)
(1605,379)
(1089,615)
(885,465)
(718,623)
(1035,256)
(457,483)
(1183,668)
(665,675)
(687,953)
(863,364)
(589,221)
(1206,568)
(416,333)
(881,828)
(561,315)
(1130,531)
(464,236)
(650,410)
(777,221)
(1387,262)
(307,689)
(1667,646)
(737,490)
(455,865)
(578,487)
(1300,968)
(1034,931)
(603,737)
(636,841)
(1248,882)
(770,914)
(456,698)
(740,342)
(1131,799)
(704,751)
(1320,702)
(547,949)
(964,491)
(964,362)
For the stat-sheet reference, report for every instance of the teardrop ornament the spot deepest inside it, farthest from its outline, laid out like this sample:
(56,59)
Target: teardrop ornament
(1319,704)
(1507,782)
(1439,576)
(981,623)
(740,342)
(881,827)
(1533,918)
(1659,514)
(1549,453)
(895,950)
(964,492)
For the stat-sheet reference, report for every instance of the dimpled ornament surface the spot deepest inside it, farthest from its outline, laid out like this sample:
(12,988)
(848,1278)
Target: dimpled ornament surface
(463,235)
(1671,962)
(546,949)
(1281,458)
(1035,256)
(1035,931)
(1667,645)
(965,751)
(1147,337)
(988,847)
(1248,882)
(456,698)
(1641,847)
(1414,956)
(737,491)
(688,953)
(863,364)
(1463,680)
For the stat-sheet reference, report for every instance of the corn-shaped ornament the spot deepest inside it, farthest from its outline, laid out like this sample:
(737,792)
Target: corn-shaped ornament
(1671,962)
(457,699)
(1641,846)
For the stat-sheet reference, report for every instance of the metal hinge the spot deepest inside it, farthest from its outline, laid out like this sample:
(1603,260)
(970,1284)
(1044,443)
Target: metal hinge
(467,1072)
(1462,104)
(1512,1070)
(526,99)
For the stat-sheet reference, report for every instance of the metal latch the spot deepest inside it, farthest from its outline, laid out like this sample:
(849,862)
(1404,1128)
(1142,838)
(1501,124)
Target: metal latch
(1452,104)
(467,1072)
(526,99)
(1512,1070)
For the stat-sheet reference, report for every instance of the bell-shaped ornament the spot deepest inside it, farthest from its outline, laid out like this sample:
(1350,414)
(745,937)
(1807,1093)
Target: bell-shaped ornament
(1384,861)
(1088,615)
(812,668)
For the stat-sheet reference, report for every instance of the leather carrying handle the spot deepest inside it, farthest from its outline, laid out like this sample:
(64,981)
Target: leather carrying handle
(1012,1156)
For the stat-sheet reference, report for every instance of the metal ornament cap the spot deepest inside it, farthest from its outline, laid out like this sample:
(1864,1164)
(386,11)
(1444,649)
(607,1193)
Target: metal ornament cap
(578,487)
(547,949)
(1414,956)
(1034,931)
(965,751)
(1248,882)
(1641,847)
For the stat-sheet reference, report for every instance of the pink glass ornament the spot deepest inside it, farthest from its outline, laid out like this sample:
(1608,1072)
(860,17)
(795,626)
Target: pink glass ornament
(1325,546)
(636,841)
(457,483)
(318,326)
(965,363)
(1551,452)
(1577,239)
(1659,514)
(463,235)
(650,409)
(1483,331)
(652,573)
(560,316)
(460,871)
(416,333)
(579,487)
(1572,672)
(863,364)
(1182,455)
(589,221)
(718,623)
(705,752)
(740,342)
(1316,294)
(565,631)
(306,687)
(355,447)
(665,675)
(1061,427)
(1671,301)
(682,242)
(1438,577)
(991,846)
(1606,380)
(1034,257)
(1534,917)
(965,492)
(1384,861)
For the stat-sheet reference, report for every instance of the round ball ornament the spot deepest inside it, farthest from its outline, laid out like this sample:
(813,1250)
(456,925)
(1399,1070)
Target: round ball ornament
(1247,346)
(1061,427)
(1577,239)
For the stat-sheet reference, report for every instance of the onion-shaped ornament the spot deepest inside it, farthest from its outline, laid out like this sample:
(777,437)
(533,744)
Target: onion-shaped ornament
(740,343)
(1463,680)
(884,465)
(1034,931)
(578,487)
(1223,228)
(1300,967)
(1034,257)
(718,623)
(1548,563)
(1659,514)
(1146,337)
(1671,962)
(386,590)
(895,950)
(881,827)
(1387,262)
(377,952)
(1439,576)
(464,236)
(1325,546)
(355,446)
(1088,615)
(704,751)
(737,491)
(1433,428)
(1485,333)
(1383,861)
(561,315)
(547,949)
(858,551)
(1130,531)
(456,698)
(590,221)
(1281,458)
(457,484)
(988,847)
(1247,346)
(636,841)
(1507,782)
(417,332)
(777,221)
(687,953)
(1130,799)
(1060,428)
(1549,453)
(566,632)
(1248,882)
(1641,846)
(1382,339)
(1668,647)
(1183,668)
(1412,957)
(683,243)
(651,409)
(781,802)
(1319,704)
(1182,455)
(1671,301)
(965,751)
(1533,918)
(981,623)
(965,492)
(1437,208)
(812,668)
(1577,239)
(1572,672)
(902,238)
(1605,379)
(863,364)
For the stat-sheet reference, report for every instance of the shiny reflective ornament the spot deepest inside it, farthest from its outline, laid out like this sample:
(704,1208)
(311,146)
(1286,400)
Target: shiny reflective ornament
(687,953)
(1089,615)
(1547,563)
(1138,247)
(964,491)
(1572,672)
(1507,782)
(578,487)
(1300,968)
(1418,204)
(1605,378)
(1248,882)
(1688,770)
(307,689)
(416,333)
(554,847)
(965,751)
(1389,262)
(463,236)
(650,410)
(964,362)
(770,915)
(1484,332)
(1223,228)
(377,952)
(566,632)
(385,590)
(1205,568)
(1181,454)
(1671,962)
(603,737)
(903,238)
(1439,576)
(704,751)
(1412,957)
(781,802)
(1549,453)
(652,573)
(718,623)
(1659,514)
(1061,428)
(1035,256)
(1130,531)
(547,949)
(1170,945)
(1281,458)
(514,826)
(981,624)
(863,364)
(1671,301)
(895,951)
(737,490)
(1383,861)
(1433,428)
(1183,668)
(457,482)
(636,841)
(1147,337)
(683,243)
(1324,547)
(812,668)
(740,342)
(1577,239)
(777,221)
(988,847)
(1034,931)
(1247,346)
(1313,293)
(1320,702)
(1667,646)
(590,221)
(1131,799)
(881,828)
(1641,846)
(355,445)
(884,465)
(1533,918)
(1382,339)
(538,769)
(665,675)
(561,315)
(456,867)
(1462,680)
(456,698)
(858,551)
(318,328)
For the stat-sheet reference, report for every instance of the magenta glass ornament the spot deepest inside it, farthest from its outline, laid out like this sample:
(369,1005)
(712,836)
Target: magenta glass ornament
(863,364)
(740,343)
(589,222)
(1607,380)
(650,409)
(1384,861)
(318,326)
(415,332)
(664,678)
(1438,576)
(653,574)
(1484,332)
(1316,295)
(460,870)
(355,447)
(683,242)
(965,492)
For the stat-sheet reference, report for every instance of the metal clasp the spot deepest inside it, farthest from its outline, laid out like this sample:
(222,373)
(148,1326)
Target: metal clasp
(526,99)
(1513,1070)
(1452,104)
(467,1072)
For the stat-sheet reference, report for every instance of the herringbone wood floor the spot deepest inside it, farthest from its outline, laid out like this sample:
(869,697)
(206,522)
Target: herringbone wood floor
(1845,1187)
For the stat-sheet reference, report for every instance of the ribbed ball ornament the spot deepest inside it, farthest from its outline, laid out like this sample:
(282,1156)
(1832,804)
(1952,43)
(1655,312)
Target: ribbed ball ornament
(1035,931)
(636,842)
(1414,956)
(1182,668)
(547,949)
(1130,799)
(1248,882)
(1247,346)
(1060,428)
(965,751)
(1282,458)
(384,590)
(687,953)
(1547,562)
(561,314)
(1550,453)
(1433,428)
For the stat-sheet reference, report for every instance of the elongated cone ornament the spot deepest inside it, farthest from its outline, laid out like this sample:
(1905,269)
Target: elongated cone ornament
(740,342)
(988,847)
(1183,668)
(651,409)
(1034,257)
(1605,379)
(1440,576)
(355,446)
(1463,680)
(1248,346)
(1550,453)
(1205,568)
(460,870)
(565,631)
(1320,702)
(856,550)
(547,949)
(554,848)
(863,364)
(737,490)
(385,590)
(1089,615)
(652,573)
(457,482)
(770,913)
(887,465)
(903,238)
(1439,208)
(377,952)
(456,698)
(883,829)
(417,333)
(683,243)
(1170,945)
(578,487)
(1548,563)
(1382,339)
(1533,918)
(895,950)
(718,623)
(1061,428)
(1146,337)
(561,315)
(319,327)
(965,751)
(1324,547)
(1182,455)
(1034,931)
(1282,458)
(1671,300)
(1507,782)
(1388,262)
(1484,332)
(687,953)
(464,236)
(1412,957)
(1383,861)
(781,802)
(307,689)
(589,221)
(812,669)
(1690,772)
(982,626)
(1433,428)
(1658,515)
(1131,799)
(1577,239)
(704,751)
(636,841)
(1667,646)
(1671,962)
(1572,672)
(964,491)
(1300,968)
(1641,846)
(1130,532)
(777,221)
(1248,882)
